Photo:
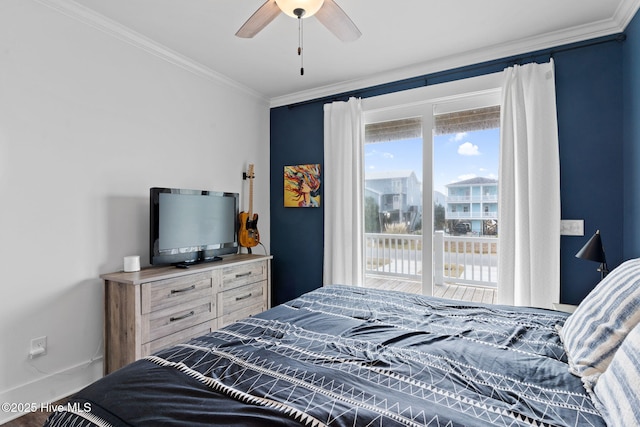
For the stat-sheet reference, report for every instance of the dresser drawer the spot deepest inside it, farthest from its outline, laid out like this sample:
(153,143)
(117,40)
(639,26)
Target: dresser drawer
(243,301)
(171,292)
(178,337)
(243,274)
(161,323)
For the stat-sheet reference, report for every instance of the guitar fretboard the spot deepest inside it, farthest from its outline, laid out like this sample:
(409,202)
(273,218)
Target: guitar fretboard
(250,176)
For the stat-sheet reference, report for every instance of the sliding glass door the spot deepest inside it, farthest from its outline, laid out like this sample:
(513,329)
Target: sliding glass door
(430,203)
(465,193)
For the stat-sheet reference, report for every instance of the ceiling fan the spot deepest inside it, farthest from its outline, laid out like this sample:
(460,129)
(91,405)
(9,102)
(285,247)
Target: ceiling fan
(327,11)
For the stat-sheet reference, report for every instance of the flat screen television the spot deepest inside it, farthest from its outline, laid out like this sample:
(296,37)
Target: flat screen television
(192,226)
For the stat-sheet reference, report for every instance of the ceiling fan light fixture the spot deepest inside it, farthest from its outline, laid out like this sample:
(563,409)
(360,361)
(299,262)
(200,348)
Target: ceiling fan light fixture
(310,7)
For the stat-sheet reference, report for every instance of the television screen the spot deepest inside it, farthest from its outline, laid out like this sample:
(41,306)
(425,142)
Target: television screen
(192,226)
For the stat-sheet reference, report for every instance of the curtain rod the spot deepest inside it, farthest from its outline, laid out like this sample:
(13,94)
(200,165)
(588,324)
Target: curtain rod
(498,64)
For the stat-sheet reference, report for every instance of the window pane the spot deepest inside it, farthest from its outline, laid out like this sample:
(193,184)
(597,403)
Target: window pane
(393,188)
(466,213)
(393,205)
(466,181)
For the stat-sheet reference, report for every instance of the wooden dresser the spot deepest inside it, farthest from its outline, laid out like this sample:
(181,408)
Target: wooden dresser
(157,307)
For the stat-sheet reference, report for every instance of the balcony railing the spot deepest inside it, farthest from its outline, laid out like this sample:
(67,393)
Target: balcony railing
(461,260)
(471,215)
(394,254)
(485,198)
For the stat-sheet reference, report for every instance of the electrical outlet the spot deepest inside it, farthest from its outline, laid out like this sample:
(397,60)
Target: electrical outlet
(38,347)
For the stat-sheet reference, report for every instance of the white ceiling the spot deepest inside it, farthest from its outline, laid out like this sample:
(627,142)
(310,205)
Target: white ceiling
(400,39)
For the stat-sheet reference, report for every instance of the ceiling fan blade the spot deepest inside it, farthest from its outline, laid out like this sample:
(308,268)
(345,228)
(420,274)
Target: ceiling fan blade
(337,21)
(260,19)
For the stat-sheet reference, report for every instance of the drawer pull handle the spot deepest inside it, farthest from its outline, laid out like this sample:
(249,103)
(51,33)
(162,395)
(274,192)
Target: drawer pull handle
(248,273)
(177,291)
(244,297)
(184,316)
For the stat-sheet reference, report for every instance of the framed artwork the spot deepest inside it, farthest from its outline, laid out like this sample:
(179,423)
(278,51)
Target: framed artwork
(302,186)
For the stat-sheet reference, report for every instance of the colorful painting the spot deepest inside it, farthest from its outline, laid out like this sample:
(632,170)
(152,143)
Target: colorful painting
(302,186)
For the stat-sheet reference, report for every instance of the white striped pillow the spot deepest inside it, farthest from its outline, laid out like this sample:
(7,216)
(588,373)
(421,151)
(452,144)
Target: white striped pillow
(617,392)
(593,333)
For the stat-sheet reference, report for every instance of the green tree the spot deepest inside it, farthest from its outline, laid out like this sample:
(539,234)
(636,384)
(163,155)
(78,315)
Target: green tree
(439,223)
(371,216)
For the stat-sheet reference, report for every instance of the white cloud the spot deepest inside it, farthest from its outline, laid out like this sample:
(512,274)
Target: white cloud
(458,137)
(468,149)
(379,154)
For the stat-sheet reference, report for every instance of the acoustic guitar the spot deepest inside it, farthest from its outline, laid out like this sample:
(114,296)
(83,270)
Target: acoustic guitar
(248,234)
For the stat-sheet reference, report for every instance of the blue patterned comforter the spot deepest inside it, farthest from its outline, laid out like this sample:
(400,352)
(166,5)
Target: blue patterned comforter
(346,356)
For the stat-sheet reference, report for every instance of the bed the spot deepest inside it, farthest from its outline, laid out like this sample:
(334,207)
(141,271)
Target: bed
(351,356)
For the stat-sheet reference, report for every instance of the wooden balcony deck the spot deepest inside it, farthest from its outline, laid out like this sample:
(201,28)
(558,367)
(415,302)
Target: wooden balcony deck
(450,291)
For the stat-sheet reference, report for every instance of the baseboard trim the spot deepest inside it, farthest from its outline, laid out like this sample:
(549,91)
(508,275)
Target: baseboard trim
(51,387)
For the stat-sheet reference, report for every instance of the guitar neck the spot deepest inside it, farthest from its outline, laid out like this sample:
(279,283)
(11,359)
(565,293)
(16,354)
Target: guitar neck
(250,190)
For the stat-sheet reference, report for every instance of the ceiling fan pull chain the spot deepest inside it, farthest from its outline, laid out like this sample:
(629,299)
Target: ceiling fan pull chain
(300,13)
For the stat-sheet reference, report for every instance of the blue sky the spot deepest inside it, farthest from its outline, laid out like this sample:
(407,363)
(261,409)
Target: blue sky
(456,156)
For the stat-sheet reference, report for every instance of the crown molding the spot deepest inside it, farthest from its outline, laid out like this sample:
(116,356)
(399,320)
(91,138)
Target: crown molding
(100,22)
(625,12)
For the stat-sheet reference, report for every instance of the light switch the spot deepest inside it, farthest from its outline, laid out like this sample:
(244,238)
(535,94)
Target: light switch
(572,227)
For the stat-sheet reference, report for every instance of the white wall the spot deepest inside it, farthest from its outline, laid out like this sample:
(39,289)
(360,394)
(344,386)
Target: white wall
(88,123)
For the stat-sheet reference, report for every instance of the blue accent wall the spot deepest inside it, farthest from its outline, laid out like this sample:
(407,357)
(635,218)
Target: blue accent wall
(589,102)
(631,138)
(589,90)
(296,233)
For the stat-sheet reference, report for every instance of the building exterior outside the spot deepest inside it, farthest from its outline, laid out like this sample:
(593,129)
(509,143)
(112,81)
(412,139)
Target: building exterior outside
(398,195)
(472,206)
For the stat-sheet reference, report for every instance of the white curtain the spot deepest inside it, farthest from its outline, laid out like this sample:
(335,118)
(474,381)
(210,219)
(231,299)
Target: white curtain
(343,197)
(529,188)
